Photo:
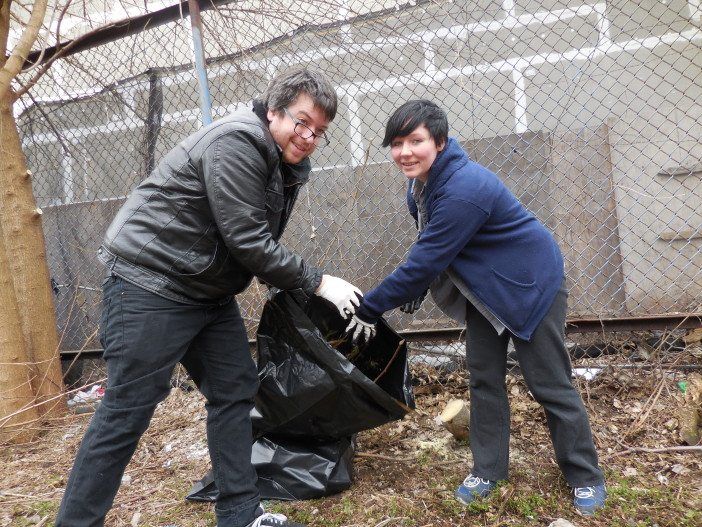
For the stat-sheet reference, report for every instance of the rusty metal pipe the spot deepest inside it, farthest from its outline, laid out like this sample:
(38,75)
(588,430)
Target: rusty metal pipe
(582,325)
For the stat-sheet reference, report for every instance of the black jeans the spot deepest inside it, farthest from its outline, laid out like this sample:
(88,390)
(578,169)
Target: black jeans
(546,368)
(144,336)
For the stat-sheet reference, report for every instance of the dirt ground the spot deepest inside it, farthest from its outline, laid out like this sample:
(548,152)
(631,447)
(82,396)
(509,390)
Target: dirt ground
(406,471)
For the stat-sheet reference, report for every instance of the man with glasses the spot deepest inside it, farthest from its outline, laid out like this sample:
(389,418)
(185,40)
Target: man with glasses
(305,132)
(190,237)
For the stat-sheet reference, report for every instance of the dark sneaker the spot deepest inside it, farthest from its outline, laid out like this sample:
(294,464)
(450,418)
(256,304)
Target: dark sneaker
(474,488)
(588,500)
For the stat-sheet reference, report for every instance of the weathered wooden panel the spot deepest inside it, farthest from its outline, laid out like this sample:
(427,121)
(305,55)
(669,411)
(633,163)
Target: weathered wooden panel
(73,233)
(586,223)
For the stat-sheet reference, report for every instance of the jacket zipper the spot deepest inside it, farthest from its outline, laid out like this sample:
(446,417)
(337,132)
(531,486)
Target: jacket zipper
(288,207)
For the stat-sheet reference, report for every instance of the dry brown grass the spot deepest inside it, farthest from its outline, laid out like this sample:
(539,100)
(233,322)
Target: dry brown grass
(406,471)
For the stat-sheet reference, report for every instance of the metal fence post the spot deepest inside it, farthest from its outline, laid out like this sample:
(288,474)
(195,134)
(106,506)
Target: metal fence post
(199,56)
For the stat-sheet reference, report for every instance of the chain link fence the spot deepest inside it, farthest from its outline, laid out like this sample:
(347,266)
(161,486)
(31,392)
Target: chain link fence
(591,112)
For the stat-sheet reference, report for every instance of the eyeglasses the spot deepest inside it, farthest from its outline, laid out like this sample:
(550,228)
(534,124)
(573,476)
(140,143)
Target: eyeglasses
(305,132)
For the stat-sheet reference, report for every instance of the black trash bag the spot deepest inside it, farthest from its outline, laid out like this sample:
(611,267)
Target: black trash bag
(314,397)
(289,469)
(309,388)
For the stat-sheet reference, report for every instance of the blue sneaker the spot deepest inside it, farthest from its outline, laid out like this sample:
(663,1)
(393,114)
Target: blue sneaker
(474,488)
(588,500)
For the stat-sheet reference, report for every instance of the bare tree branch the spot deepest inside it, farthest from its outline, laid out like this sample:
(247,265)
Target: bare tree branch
(60,19)
(60,53)
(14,63)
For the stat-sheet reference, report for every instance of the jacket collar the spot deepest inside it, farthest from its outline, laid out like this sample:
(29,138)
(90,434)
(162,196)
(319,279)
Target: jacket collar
(450,159)
(292,173)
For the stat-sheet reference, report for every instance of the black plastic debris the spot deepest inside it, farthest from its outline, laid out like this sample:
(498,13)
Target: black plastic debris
(316,391)
(291,469)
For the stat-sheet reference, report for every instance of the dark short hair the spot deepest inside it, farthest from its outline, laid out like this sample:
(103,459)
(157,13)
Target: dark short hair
(285,87)
(416,113)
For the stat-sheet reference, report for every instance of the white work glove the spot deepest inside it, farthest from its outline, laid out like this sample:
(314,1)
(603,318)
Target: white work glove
(358,328)
(345,296)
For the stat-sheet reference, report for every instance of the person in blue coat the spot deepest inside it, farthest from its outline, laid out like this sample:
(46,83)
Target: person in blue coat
(489,262)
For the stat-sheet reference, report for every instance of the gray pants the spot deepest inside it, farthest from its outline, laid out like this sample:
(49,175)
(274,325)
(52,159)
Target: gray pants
(546,368)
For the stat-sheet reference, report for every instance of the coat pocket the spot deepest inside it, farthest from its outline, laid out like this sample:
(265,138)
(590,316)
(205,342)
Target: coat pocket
(201,256)
(518,299)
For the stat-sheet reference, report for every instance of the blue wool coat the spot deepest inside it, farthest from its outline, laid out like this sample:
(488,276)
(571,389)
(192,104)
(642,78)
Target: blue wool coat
(476,226)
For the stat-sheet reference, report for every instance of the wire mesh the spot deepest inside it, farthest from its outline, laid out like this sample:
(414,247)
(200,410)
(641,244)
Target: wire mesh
(591,113)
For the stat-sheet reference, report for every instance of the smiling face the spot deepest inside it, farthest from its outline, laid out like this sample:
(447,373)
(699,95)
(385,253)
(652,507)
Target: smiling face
(415,153)
(282,128)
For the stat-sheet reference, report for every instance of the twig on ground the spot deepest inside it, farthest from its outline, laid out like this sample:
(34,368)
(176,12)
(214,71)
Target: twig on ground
(385,522)
(505,499)
(451,463)
(387,458)
(654,450)
(661,366)
(37,497)
(393,497)
(651,402)
(40,420)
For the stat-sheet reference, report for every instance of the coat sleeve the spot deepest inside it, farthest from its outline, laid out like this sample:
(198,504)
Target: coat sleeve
(235,174)
(453,223)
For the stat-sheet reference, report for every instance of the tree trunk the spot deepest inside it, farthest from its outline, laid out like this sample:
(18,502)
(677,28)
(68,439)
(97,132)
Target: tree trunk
(26,255)
(17,408)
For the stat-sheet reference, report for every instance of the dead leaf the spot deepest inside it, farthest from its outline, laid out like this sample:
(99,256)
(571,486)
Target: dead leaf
(693,336)
(671,424)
